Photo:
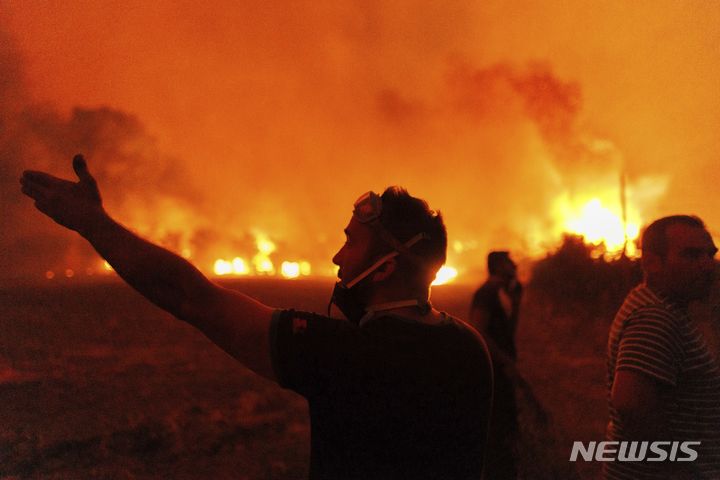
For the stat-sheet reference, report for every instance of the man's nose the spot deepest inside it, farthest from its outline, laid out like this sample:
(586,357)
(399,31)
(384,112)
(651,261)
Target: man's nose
(336,257)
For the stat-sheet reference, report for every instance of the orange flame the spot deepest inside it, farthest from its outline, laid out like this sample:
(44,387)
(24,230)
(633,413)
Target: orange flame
(599,222)
(445,275)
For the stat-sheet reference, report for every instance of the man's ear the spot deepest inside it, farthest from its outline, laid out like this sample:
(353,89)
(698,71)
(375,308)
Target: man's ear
(385,270)
(651,262)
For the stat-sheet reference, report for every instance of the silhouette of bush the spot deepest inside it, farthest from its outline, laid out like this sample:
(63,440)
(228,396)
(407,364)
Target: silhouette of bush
(578,274)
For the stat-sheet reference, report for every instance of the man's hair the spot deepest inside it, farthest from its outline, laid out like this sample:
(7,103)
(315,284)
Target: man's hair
(654,238)
(405,216)
(496,259)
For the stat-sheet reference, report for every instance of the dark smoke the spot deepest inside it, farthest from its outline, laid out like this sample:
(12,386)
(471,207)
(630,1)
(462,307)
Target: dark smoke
(123,157)
(491,146)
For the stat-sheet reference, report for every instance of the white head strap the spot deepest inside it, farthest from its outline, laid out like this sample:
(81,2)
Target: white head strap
(384,259)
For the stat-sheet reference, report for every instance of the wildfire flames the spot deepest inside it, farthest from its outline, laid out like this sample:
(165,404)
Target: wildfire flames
(599,223)
(261,264)
(599,219)
(241,149)
(446,274)
(609,216)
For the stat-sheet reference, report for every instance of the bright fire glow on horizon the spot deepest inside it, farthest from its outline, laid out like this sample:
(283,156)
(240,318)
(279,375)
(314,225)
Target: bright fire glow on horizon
(290,269)
(276,127)
(236,266)
(261,261)
(598,224)
(239,266)
(445,275)
(595,220)
(601,222)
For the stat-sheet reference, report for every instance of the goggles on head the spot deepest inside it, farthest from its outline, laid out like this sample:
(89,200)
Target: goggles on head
(368,207)
(367,210)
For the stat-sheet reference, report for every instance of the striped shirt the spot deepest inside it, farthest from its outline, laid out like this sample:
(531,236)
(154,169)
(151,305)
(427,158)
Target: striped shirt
(656,338)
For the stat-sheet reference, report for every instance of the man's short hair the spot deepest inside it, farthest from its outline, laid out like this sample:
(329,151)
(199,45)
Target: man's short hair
(404,216)
(654,238)
(496,259)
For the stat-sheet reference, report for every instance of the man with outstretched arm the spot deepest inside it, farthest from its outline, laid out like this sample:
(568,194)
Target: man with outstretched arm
(395,390)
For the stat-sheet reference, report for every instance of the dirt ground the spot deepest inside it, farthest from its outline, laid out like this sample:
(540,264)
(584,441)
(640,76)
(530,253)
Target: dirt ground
(95,382)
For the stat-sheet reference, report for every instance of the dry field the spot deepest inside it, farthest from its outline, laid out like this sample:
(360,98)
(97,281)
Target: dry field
(95,382)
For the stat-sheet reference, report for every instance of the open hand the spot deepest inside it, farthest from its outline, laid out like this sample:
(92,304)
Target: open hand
(75,205)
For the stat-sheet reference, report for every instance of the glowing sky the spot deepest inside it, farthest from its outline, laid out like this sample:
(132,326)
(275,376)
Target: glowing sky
(231,118)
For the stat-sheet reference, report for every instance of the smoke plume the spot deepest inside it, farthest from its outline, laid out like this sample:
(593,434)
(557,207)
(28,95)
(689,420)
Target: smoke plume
(207,127)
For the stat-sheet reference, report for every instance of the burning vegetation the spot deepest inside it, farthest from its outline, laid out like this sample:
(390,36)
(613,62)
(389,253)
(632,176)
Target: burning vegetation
(242,148)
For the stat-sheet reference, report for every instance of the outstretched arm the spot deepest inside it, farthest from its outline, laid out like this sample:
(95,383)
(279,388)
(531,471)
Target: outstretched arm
(233,321)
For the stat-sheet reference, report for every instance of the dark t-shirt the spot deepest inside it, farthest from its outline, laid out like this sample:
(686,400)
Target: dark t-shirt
(393,399)
(499,328)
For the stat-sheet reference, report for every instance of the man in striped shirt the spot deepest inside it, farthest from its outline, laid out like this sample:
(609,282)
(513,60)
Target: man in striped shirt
(663,381)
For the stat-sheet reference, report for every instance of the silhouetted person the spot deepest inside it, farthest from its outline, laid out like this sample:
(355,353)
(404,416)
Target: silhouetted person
(663,381)
(396,391)
(496,304)
(494,312)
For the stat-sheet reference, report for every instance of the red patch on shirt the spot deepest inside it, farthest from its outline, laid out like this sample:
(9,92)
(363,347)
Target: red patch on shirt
(299,325)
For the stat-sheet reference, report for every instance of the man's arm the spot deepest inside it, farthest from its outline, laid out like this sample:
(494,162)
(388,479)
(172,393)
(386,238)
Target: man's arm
(235,322)
(480,310)
(638,400)
(515,292)
(646,372)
